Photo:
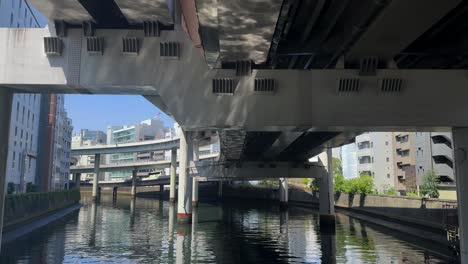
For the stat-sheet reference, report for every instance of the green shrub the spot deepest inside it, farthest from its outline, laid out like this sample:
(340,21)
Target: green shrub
(430,185)
(412,194)
(391,191)
(363,185)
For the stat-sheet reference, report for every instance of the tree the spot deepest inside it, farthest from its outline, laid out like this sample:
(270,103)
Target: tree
(337,169)
(430,184)
(314,184)
(338,183)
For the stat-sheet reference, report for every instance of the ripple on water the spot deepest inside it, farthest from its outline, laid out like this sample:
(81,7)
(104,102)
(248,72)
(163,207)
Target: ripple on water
(139,232)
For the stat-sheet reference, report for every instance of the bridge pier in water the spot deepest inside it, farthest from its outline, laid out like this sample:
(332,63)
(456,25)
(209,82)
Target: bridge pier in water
(326,201)
(194,192)
(460,138)
(173,172)
(114,193)
(283,193)
(134,183)
(77,178)
(6,99)
(184,205)
(220,190)
(97,162)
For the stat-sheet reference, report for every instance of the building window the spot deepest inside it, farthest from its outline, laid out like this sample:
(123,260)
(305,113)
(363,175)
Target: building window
(386,143)
(388,176)
(16,131)
(11,20)
(17,111)
(372,160)
(22,118)
(388,159)
(14,158)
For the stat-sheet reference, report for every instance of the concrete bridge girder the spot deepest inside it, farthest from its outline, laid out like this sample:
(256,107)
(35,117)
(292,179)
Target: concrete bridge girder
(250,171)
(303,99)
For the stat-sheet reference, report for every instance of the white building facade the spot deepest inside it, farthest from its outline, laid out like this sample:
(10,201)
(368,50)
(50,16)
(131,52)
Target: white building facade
(62,147)
(375,158)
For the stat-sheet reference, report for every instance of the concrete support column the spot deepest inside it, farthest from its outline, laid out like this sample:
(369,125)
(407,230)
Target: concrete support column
(460,139)
(327,210)
(97,163)
(134,182)
(77,180)
(6,98)
(184,205)
(283,192)
(220,189)
(173,175)
(194,191)
(114,193)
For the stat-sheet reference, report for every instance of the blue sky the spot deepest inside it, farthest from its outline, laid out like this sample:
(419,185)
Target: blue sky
(96,112)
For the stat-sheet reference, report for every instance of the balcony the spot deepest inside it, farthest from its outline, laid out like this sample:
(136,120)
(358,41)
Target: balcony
(363,137)
(365,167)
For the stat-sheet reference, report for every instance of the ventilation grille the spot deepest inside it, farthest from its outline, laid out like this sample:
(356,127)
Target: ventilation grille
(53,46)
(88,28)
(169,50)
(348,85)
(151,29)
(95,45)
(243,68)
(390,85)
(265,86)
(223,86)
(130,46)
(368,66)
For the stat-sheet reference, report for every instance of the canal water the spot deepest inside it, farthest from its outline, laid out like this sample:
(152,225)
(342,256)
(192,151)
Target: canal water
(146,231)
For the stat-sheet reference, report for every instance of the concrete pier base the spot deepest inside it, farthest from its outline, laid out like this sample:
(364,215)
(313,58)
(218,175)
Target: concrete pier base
(184,205)
(97,162)
(283,193)
(173,171)
(326,201)
(194,192)
(134,183)
(114,193)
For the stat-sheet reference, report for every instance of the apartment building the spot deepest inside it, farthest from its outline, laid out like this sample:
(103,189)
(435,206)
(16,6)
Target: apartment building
(405,161)
(435,151)
(375,158)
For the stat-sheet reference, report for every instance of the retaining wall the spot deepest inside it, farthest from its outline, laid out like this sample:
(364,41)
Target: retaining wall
(420,212)
(27,207)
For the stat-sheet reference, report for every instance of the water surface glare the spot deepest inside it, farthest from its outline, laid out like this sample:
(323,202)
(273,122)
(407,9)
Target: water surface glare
(146,231)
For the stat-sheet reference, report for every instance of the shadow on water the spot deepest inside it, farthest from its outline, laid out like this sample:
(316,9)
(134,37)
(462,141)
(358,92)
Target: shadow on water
(145,230)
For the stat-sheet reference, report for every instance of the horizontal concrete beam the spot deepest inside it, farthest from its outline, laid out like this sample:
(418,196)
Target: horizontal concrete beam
(132,165)
(315,100)
(248,171)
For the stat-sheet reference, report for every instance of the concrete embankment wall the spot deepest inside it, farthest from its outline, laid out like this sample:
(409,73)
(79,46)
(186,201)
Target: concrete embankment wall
(402,213)
(21,209)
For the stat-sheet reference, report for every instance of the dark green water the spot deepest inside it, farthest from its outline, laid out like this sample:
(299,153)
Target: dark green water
(139,231)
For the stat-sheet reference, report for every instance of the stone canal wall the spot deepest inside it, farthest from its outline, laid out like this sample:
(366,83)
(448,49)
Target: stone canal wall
(417,212)
(24,208)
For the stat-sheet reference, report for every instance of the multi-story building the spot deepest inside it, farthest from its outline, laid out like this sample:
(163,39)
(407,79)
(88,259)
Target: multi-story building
(375,158)
(24,125)
(349,163)
(434,151)
(146,130)
(405,162)
(62,146)
(87,138)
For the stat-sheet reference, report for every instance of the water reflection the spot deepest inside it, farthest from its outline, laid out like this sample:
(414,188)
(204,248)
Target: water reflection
(146,231)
